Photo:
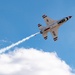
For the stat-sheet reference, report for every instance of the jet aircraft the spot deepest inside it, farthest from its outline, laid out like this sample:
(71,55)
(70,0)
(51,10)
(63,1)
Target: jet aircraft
(51,26)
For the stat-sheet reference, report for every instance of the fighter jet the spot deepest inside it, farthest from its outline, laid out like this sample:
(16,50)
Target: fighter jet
(51,26)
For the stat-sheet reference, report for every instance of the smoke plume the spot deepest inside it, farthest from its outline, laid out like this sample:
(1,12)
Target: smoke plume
(17,43)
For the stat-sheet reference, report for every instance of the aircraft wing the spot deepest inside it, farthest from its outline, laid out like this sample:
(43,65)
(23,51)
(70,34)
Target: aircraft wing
(48,20)
(54,33)
(45,35)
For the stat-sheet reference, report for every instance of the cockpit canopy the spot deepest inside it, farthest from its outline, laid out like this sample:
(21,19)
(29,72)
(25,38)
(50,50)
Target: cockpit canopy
(61,21)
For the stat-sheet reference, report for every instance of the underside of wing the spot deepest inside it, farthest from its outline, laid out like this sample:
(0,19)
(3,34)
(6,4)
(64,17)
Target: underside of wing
(48,20)
(45,35)
(54,33)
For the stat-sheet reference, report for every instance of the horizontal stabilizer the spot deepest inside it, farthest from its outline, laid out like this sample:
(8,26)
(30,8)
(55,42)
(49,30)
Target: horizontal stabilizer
(40,26)
(45,35)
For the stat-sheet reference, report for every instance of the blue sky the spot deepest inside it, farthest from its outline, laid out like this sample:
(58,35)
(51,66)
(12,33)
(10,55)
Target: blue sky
(19,19)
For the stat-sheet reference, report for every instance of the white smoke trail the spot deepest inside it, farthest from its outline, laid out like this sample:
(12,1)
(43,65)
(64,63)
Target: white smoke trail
(17,43)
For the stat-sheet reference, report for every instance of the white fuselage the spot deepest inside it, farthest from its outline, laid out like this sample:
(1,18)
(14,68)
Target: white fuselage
(52,26)
(49,28)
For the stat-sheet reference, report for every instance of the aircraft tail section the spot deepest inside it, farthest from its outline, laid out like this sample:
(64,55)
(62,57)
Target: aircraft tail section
(40,26)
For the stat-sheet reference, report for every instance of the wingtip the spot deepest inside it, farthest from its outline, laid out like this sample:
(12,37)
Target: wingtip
(44,16)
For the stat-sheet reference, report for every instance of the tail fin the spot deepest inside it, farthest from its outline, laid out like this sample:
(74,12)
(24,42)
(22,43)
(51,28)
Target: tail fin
(40,26)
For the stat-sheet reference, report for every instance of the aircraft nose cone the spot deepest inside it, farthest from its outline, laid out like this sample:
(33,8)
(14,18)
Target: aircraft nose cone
(70,16)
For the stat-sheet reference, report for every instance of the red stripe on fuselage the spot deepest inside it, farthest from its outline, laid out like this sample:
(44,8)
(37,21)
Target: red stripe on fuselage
(47,29)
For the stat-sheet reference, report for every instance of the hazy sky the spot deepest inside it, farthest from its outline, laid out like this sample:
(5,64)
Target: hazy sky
(19,19)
